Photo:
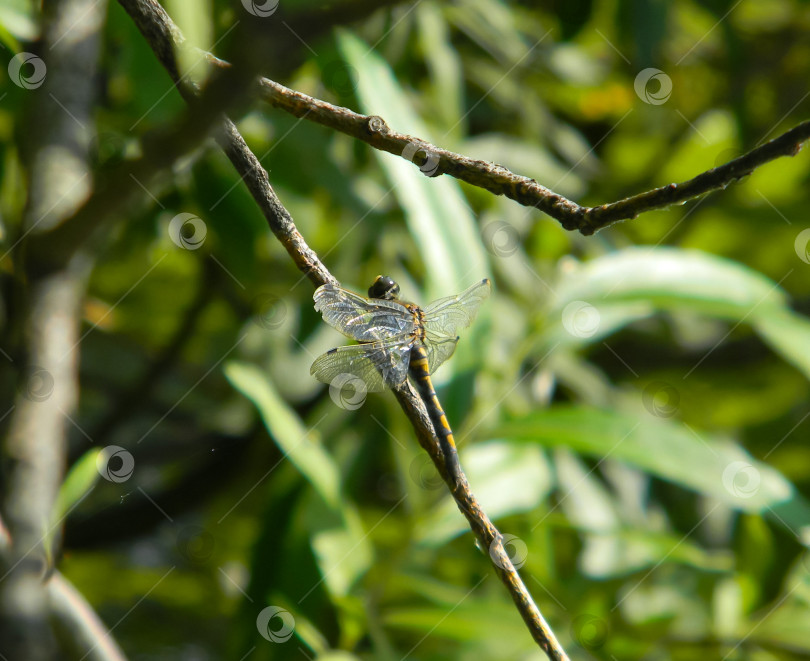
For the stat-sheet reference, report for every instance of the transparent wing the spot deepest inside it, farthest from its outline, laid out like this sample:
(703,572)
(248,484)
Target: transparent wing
(360,318)
(446,315)
(439,348)
(380,365)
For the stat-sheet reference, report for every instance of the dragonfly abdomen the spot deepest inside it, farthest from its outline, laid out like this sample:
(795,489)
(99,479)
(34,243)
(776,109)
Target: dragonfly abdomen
(424,384)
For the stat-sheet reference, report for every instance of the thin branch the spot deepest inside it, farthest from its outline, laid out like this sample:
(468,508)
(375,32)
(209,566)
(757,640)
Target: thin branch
(284,228)
(46,323)
(486,533)
(80,630)
(163,36)
(497,179)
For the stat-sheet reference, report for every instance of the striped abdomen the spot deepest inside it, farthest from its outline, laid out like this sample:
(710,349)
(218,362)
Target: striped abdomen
(424,384)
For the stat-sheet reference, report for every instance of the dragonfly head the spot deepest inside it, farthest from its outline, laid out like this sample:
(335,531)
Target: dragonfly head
(384,287)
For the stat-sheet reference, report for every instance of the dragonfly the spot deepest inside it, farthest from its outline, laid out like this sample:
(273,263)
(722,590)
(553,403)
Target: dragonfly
(396,338)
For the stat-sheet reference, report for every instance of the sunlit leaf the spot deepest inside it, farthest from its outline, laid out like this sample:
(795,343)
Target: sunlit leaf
(339,541)
(80,479)
(435,210)
(505,478)
(789,335)
(287,430)
(717,468)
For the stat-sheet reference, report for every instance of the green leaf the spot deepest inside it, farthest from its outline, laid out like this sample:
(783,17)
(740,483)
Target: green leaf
(80,479)
(194,20)
(669,277)
(338,538)
(612,291)
(789,335)
(18,22)
(671,451)
(287,430)
(614,543)
(437,214)
(494,470)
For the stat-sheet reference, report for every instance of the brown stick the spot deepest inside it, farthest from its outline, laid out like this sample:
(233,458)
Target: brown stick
(143,13)
(497,179)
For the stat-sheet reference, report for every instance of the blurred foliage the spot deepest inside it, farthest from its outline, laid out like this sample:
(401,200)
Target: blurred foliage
(632,407)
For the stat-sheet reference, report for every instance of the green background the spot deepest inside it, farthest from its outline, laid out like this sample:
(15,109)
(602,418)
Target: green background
(631,407)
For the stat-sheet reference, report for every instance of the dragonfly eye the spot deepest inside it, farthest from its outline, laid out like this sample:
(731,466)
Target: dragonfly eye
(384,287)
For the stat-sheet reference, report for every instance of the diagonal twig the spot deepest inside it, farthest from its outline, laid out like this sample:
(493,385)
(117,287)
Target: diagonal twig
(159,30)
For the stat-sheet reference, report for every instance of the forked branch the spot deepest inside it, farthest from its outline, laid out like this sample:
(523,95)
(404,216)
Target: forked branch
(497,179)
(159,30)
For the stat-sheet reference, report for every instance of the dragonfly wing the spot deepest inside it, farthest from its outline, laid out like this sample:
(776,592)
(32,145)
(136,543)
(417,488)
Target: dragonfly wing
(439,348)
(360,318)
(380,365)
(446,315)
